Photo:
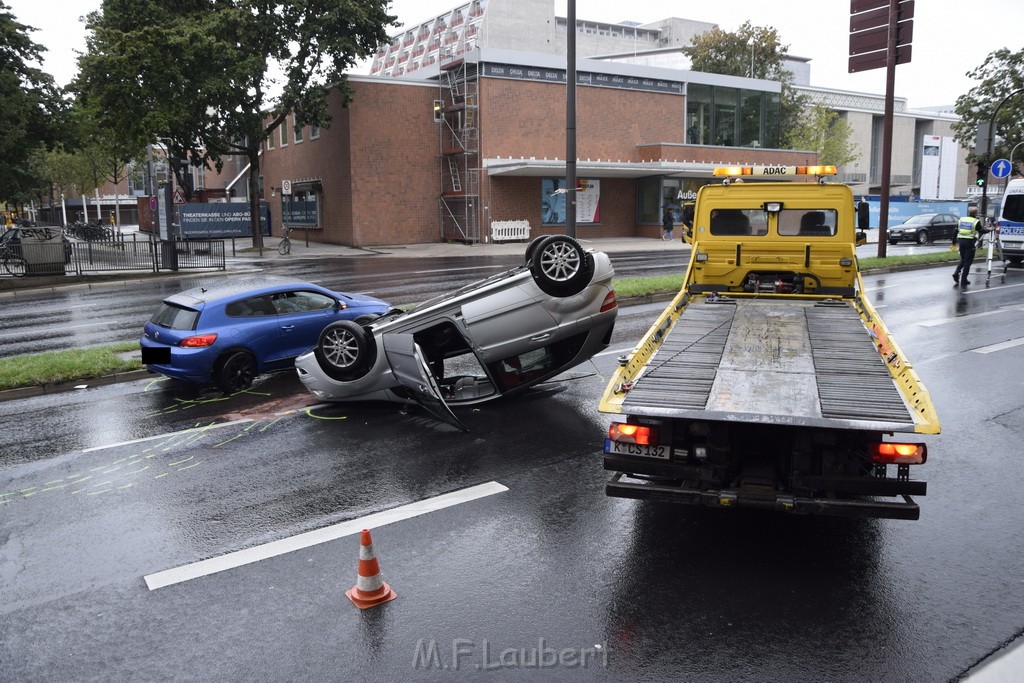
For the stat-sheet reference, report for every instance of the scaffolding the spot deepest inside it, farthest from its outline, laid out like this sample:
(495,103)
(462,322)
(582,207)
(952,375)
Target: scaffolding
(460,207)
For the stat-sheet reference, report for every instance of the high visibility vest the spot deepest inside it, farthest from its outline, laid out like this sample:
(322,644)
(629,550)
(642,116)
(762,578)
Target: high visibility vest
(966,228)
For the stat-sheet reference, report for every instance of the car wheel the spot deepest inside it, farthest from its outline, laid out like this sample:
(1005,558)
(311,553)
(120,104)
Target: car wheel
(236,372)
(922,237)
(1016,260)
(894,242)
(345,350)
(560,266)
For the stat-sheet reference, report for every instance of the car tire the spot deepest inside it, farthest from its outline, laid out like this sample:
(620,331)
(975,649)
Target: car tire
(235,372)
(560,266)
(532,247)
(894,242)
(1015,260)
(345,351)
(922,237)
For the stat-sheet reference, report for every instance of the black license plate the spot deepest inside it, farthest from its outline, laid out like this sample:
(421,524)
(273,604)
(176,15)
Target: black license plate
(156,355)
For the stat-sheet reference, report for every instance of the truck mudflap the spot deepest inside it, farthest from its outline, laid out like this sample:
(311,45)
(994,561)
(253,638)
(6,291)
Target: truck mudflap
(779,502)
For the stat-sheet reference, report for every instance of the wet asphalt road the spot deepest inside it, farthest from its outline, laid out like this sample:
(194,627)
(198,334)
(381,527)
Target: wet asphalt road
(102,487)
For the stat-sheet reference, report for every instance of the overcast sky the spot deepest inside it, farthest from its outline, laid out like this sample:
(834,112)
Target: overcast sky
(951,37)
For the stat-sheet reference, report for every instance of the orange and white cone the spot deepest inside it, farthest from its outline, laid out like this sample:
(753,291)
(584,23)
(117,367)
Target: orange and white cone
(370,588)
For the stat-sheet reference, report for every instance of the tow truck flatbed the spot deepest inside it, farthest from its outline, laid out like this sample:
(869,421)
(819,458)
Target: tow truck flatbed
(798,363)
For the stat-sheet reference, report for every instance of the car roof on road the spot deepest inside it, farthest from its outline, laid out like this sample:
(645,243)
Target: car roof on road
(234,286)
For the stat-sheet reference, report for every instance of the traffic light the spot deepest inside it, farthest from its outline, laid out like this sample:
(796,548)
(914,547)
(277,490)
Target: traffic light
(982,174)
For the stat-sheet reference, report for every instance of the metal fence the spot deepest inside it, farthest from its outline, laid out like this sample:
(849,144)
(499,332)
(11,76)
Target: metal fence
(80,257)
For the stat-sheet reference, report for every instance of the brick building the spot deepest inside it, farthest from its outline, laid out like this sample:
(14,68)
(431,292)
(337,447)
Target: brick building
(393,169)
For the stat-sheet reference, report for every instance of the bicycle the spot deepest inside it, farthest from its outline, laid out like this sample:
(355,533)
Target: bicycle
(12,259)
(284,247)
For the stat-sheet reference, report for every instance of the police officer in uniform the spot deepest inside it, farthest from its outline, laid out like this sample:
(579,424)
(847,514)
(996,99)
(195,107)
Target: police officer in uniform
(969,228)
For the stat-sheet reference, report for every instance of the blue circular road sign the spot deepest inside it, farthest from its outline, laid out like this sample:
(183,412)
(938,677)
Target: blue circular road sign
(1001,168)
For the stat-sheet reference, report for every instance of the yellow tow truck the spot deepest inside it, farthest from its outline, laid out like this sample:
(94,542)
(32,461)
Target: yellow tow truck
(770,381)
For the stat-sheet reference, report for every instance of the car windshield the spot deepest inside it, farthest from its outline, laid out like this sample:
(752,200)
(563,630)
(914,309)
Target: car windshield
(919,220)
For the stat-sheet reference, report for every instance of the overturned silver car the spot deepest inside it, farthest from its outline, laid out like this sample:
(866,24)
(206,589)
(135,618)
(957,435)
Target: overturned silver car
(495,337)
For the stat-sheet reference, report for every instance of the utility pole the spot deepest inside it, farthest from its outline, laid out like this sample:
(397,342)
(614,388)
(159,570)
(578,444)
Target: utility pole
(570,121)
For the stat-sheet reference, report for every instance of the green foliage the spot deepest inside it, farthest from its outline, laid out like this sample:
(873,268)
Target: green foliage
(1000,74)
(30,107)
(216,78)
(822,130)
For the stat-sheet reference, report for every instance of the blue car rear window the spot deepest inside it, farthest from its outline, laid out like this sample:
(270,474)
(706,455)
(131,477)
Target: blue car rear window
(175,317)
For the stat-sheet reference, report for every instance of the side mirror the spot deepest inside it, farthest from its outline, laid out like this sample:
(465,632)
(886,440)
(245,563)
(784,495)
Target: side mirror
(862,238)
(863,216)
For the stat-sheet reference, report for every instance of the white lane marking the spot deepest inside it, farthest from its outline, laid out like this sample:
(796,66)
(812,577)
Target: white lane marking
(972,316)
(1001,346)
(221,563)
(618,351)
(1005,668)
(168,435)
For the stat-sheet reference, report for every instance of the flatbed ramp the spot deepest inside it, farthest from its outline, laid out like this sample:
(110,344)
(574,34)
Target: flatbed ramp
(792,362)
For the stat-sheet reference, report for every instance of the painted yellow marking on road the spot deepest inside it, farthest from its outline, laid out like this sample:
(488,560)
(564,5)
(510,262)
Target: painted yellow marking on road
(78,491)
(55,481)
(309,411)
(173,464)
(159,476)
(96,493)
(126,486)
(188,467)
(53,488)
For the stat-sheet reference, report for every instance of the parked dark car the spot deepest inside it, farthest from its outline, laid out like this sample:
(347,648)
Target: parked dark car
(925,228)
(230,332)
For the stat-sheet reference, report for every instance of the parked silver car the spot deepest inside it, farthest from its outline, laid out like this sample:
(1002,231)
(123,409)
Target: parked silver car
(492,338)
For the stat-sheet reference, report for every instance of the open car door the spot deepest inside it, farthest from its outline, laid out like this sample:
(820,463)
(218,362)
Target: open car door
(409,366)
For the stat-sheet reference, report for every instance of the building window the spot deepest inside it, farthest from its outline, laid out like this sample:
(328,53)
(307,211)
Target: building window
(654,194)
(283,133)
(729,117)
(298,133)
(875,176)
(270,141)
(698,114)
(314,131)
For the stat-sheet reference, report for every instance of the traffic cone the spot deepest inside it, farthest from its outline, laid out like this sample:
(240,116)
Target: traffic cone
(370,588)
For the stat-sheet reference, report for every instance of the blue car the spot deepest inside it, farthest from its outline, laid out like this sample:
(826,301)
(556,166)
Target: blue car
(228,333)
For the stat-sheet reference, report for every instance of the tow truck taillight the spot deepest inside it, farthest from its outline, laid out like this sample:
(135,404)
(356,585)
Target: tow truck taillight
(610,302)
(630,433)
(899,453)
(199,341)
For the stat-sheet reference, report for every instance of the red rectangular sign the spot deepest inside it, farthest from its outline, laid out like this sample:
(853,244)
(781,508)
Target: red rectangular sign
(875,60)
(878,38)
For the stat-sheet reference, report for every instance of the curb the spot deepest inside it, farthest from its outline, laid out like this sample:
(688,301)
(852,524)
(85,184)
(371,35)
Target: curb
(61,387)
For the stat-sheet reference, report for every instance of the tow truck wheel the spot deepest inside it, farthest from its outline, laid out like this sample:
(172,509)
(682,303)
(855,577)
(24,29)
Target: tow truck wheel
(560,266)
(345,350)
(922,237)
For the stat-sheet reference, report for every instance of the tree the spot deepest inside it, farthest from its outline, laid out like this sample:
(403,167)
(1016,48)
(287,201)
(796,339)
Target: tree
(1000,74)
(217,78)
(30,107)
(822,130)
(754,52)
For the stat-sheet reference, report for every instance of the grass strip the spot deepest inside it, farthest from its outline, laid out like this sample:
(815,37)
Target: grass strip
(55,367)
